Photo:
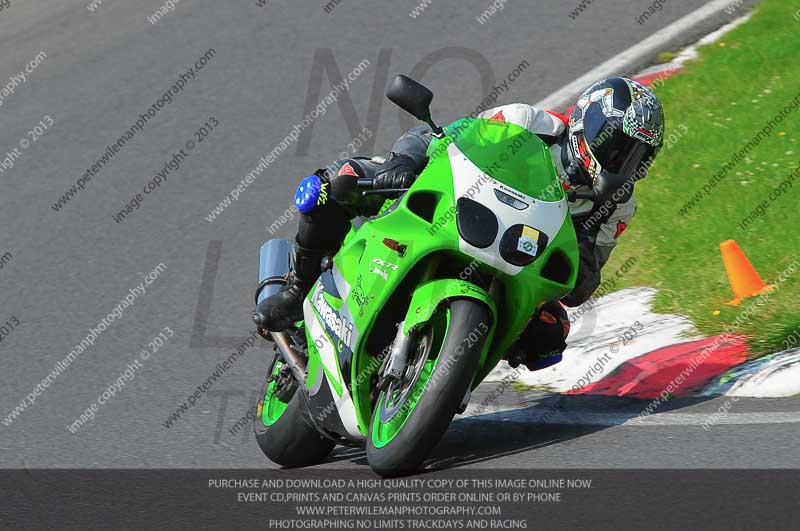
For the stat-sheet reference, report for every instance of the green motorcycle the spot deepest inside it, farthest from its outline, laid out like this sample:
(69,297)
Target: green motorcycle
(421,301)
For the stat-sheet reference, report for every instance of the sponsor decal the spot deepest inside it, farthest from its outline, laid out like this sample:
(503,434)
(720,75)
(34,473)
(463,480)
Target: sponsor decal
(347,169)
(384,263)
(382,268)
(359,296)
(323,194)
(512,192)
(339,327)
(528,241)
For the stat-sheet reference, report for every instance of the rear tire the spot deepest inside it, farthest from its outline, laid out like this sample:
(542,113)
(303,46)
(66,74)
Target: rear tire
(291,441)
(396,451)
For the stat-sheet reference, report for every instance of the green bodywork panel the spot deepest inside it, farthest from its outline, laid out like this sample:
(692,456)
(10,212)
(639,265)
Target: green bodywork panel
(370,271)
(429,295)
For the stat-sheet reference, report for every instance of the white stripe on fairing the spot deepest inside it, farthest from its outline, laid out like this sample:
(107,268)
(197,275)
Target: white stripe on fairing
(327,353)
(342,286)
(545,415)
(632,56)
(544,216)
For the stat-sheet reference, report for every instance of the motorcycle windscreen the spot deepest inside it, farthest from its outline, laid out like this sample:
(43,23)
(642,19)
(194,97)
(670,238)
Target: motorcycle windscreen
(509,153)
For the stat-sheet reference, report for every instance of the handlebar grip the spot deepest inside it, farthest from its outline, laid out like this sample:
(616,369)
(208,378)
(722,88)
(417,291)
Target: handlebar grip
(366,182)
(573,196)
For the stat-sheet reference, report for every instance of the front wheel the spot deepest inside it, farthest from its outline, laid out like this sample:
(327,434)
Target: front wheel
(411,415)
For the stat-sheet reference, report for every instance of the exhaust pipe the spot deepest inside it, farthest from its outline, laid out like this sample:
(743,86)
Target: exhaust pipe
(296,362)
(274,263)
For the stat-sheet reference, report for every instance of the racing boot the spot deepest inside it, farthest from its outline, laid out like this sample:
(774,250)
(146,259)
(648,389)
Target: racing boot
(543,341)
(279,311)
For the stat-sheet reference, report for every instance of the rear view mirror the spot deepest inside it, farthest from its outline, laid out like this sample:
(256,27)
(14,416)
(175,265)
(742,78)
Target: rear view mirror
(412,97)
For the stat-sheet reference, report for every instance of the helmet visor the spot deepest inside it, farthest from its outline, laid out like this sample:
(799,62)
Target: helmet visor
(614,150)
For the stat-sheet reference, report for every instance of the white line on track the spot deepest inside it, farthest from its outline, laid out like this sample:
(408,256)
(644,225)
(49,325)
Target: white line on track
(627,59)
(545,415)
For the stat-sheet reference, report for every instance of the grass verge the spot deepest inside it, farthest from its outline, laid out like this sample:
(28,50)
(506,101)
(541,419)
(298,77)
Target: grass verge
(714,108)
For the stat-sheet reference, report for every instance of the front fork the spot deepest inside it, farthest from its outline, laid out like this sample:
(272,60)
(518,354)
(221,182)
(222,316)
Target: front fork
(394,367)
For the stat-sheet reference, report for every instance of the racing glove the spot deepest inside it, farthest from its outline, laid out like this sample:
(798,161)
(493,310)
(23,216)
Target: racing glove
(399,171)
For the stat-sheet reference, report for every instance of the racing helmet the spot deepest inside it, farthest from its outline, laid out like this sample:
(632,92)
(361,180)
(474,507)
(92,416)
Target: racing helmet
(617,127)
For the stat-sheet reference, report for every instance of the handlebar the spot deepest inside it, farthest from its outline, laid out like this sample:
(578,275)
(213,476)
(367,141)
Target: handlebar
(573,196)
(369,182)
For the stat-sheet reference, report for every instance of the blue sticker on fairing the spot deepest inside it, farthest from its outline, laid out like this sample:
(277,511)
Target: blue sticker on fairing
(307,194)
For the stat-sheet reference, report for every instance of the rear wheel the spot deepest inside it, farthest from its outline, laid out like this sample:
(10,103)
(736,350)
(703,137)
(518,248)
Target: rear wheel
(411,415)
(282,428)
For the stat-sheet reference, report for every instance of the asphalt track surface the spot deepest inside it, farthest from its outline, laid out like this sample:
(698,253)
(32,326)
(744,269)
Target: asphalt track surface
(70,268)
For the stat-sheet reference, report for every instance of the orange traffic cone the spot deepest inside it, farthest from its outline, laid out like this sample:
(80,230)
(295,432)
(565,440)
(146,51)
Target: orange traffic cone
(743,277)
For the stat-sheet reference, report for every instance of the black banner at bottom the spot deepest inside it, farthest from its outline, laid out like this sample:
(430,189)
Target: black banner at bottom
(333,499)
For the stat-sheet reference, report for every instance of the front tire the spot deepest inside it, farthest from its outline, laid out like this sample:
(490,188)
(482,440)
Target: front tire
(408,421)
(284,432)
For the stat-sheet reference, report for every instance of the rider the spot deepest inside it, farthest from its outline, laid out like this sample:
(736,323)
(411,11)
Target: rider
(616,127)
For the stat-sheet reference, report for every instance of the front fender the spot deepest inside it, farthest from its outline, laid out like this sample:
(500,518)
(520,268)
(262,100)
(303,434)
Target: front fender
(429,295)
